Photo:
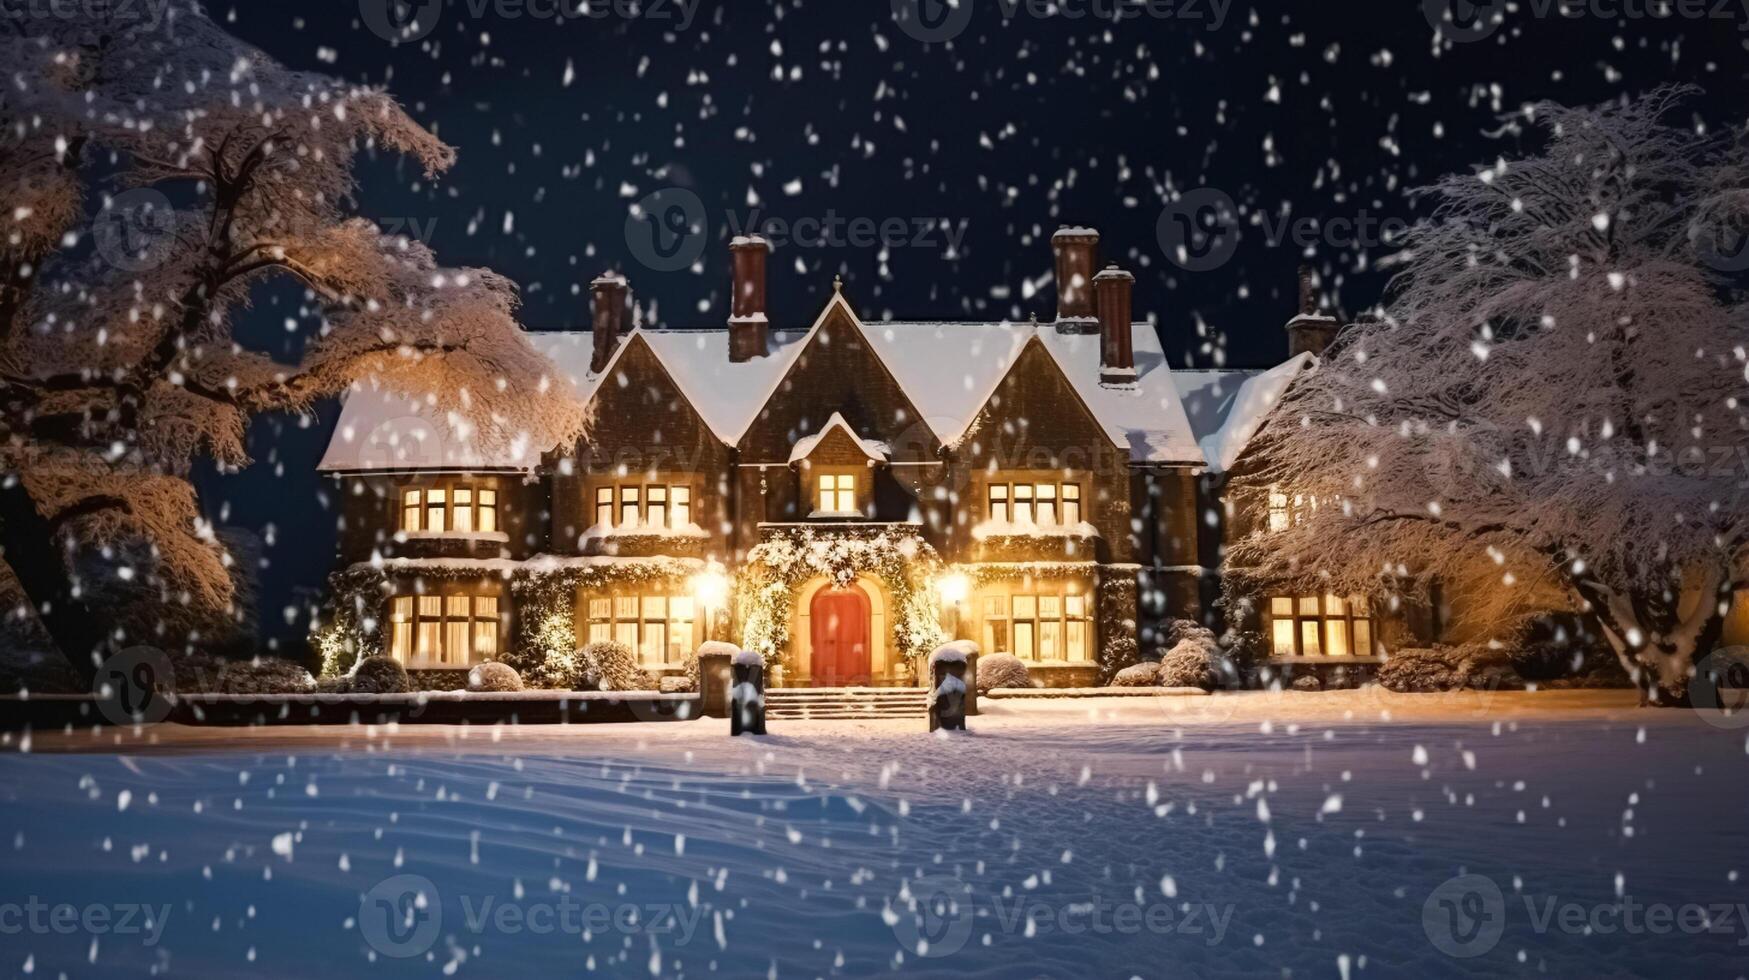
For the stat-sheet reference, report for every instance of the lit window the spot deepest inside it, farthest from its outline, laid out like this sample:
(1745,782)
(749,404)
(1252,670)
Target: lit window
(1071,503)
(658,628)
(1043,504)
(1040,625)
(999,503)
(682,510)
(1278,517)
(629,515)
(435,511)
(1023,503)
(488,512)
(462,512)
(656,507)
(457,509)
(412,511)
(837,493)
(1315,626)
(454,630)
(604,507)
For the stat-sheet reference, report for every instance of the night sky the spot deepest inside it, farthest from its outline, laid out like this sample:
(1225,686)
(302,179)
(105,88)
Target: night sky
(1327,113)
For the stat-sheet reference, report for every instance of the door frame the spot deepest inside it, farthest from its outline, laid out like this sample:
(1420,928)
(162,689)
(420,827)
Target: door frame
(880,640)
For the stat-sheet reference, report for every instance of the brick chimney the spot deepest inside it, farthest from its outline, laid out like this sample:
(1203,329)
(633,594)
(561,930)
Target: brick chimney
(1117,355)
(1077,252)
(1310,330)
(748,329)
(608,297)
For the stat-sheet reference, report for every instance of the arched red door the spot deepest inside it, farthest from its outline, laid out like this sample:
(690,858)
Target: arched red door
(840,626)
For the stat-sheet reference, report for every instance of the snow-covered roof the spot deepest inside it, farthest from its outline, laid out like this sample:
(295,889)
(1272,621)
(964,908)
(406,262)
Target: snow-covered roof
(804,446)
(1226,408)
(948,369)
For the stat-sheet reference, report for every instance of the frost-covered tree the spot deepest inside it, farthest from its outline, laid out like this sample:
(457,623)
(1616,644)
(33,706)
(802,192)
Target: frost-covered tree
(1553,404)
(118,366)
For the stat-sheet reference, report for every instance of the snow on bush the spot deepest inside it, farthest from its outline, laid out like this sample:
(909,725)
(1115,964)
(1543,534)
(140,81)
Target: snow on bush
(1144,674)
(265,677)
(1196,661)
(610,666)
(1307,682)
(380,675)
(1002,670)
(494,676)
(1444,668)
(1179,630)
(676,684)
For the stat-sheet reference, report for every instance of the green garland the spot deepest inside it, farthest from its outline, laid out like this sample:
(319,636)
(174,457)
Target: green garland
(904,563)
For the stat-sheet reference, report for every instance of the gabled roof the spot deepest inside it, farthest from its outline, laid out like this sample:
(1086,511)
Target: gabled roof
(947,369)
(805,446)
(1226,408)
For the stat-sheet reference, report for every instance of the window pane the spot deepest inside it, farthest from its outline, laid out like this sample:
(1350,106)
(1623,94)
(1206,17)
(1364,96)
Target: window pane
(1077,645)
(1282,637)
(996,636)
(1023,504)
(827,495)
(626,633)
(1334,606)
(1025,606)
(656,515)
(1077,606)
(1336,637)
(1023,633)
(600,632)
(1363,638)
(679,640)
(486,607)
(655,646)
(464,511)
(410,511)
(1050,606)
(1071,503)
(680,608)
(1049,630)
(997,606)
(485,638)
(846,497)
(429,639)
(682,506)
(430,607)
(455,641)
(1309,638)
(488,511)
(999,503)
(1309,605)
(401,641)
(1281,606)
(601,609)
(434,511)
(604,507)
(625,607)
(628,507)
(655,607)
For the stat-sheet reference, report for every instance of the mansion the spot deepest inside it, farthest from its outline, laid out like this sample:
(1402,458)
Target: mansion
(840,495)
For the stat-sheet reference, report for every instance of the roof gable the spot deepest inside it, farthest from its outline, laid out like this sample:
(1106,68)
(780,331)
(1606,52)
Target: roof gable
(837,370)
(1033,393)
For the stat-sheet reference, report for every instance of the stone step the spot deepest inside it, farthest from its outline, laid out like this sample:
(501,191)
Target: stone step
(845,704)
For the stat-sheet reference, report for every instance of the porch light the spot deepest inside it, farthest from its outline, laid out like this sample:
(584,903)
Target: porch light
(711,589)
(953,588)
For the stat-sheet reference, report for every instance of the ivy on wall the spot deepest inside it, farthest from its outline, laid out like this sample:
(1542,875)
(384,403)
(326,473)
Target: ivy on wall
(777,568)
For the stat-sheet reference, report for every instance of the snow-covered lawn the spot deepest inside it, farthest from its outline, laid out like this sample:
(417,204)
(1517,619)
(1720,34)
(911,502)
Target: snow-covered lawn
(1235,835)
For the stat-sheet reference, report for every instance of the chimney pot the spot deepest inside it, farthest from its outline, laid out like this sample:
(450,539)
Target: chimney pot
(1310,331)
(749,330)
(1117,356)
(608,294)
(1077,255)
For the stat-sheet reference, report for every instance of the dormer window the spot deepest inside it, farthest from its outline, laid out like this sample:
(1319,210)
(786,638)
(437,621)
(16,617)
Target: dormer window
(837,493)
(1285,511)
(455,509)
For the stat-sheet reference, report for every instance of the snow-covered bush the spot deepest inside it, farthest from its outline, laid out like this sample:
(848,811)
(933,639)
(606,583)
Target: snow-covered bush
(1179,630)
(676,684)
(1307,682)
(1002,670)
(265,677)
(494,676)
(1144,674)
(381,675)
(1195,661)
(609,666)
(1446,668)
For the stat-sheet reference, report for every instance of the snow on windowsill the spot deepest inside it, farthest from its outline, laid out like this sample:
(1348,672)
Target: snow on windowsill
(838,515)
(500,537)
(1009,529)
(687,530)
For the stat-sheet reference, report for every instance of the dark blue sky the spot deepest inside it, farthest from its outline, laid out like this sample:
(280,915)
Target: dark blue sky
(1325,113)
